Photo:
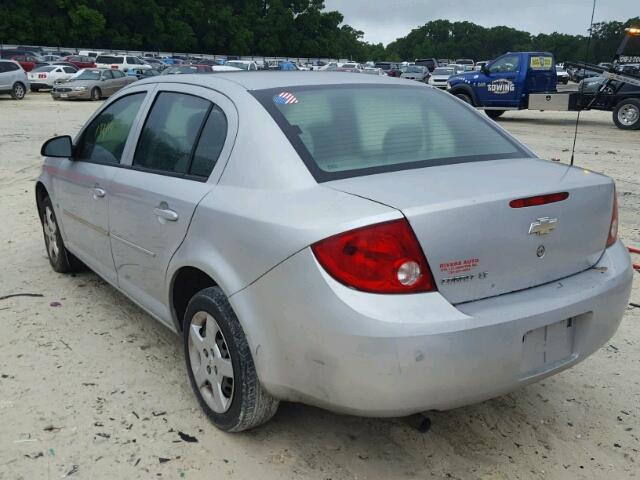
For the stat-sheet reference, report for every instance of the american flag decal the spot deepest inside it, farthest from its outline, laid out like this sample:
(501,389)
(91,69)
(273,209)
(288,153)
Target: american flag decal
(285,98)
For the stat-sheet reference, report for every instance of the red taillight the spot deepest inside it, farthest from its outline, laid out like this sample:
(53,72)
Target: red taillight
(613,229)
(381,258)
(539,200)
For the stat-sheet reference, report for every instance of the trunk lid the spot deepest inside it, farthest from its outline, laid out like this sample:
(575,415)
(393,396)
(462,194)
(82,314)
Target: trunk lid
(476,244)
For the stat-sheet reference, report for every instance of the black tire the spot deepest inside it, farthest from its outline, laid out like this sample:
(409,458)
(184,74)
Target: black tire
(494,113)
(250,404)
(465,98)
(62,260)
(96,94)
(18,91)
(626,114)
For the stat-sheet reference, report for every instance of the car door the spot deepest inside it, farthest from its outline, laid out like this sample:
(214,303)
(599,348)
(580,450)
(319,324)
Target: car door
(120,80)
(6,75)
(187,132)
(108,83)
(501,89)
(82,183)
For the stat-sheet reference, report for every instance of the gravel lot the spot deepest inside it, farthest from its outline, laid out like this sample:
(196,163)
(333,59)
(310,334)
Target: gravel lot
(91,387)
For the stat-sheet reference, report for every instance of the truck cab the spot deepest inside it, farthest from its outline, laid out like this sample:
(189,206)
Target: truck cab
(506,82)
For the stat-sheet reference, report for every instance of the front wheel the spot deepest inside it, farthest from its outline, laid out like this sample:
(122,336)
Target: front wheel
(220,365)
(18,91)
(494,113)
(465,98)
(626,114)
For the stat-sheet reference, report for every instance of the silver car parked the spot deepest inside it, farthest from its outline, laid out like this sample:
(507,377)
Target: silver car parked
(366,244)
(13,79)
(92,84)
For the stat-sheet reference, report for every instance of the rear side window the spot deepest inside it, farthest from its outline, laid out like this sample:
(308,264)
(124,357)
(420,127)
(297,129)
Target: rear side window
(109,59)
(170,132)
(8,67)
(343,131)
(117,74)
(104,139)
(70,70)
(210,144)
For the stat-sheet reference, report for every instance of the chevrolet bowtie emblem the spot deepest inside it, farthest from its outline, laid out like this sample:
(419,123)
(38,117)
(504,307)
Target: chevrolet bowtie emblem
(543,226)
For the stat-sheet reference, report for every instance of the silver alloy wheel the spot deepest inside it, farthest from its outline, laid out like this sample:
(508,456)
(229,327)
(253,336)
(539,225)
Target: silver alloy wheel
(50,231)
(628,115)
(18,91)
(210,362)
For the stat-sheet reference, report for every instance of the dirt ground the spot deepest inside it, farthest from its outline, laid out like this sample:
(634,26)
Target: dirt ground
(91,387)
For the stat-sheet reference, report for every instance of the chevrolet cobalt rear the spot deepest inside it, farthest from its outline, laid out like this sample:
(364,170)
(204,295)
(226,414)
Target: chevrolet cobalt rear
(369,245)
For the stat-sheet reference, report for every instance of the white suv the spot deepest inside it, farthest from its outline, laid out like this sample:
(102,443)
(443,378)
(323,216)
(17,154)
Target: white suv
(13,79)
(121,62)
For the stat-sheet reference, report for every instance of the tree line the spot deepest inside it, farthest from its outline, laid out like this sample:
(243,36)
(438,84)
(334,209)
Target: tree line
(297,28)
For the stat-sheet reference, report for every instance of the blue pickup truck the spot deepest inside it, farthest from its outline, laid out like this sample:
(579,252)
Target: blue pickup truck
(528,80)
(507,82)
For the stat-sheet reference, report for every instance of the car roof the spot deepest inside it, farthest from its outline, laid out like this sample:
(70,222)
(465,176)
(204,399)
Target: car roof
(267,80)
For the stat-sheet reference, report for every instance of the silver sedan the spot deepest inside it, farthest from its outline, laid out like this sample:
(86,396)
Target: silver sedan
(92,84)
(365,244)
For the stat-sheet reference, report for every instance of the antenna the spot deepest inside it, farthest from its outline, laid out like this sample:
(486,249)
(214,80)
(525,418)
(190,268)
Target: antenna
(584,68)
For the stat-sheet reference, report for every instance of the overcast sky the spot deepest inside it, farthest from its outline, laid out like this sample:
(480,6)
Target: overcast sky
(385,20)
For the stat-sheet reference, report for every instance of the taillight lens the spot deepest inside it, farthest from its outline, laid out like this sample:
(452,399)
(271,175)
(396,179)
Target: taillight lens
(613,229)
(381,258)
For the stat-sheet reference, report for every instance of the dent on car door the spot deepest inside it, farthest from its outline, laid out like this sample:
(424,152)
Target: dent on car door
(154,200)
(82,184)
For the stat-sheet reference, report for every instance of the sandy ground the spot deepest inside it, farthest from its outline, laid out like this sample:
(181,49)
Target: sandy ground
(95,388)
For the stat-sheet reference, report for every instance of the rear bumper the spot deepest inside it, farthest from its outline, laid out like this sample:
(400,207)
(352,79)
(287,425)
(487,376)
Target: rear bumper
(318,342)
(40,85)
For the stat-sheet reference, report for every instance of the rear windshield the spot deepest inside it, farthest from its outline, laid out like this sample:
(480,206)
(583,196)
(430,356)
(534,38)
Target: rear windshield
(345,131)
(109,59)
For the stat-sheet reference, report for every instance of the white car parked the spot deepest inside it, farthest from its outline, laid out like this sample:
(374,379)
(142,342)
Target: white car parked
(46,77)
(247,65)
(121,62)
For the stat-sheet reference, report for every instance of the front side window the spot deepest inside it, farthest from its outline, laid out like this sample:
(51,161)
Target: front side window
(343,131)
(170,132)
(508,63)
(117,73)
(107,75)
(104,139)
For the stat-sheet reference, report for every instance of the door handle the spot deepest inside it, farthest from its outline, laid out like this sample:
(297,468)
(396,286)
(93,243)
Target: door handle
(98,192)
(166,213)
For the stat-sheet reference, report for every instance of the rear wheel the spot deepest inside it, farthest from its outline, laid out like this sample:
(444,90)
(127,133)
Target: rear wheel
(220,365)
(465,98)
(18,91)
(494,113)
(96,94)
(61,260)
(626,114)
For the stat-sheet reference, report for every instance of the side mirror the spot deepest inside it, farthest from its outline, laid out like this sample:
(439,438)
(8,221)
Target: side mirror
(60,147)
(485,69)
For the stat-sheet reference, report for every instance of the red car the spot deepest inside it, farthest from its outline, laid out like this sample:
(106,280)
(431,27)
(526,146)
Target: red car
(81,61)
(27,62)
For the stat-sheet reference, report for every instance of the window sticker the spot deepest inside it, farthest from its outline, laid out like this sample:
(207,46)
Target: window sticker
(285,98)
(540,63)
